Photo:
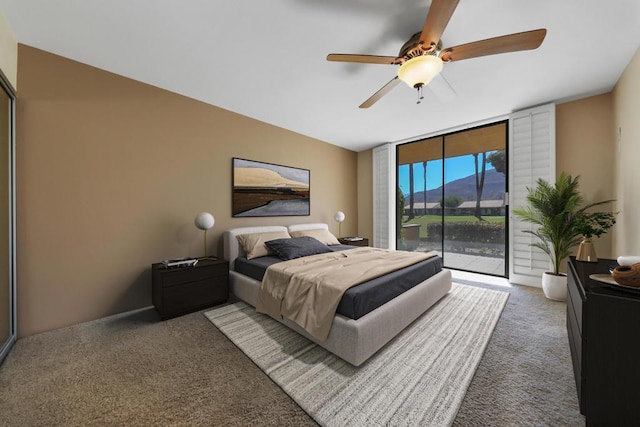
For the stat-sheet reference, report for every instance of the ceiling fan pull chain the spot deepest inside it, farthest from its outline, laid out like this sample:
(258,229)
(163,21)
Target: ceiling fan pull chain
(420,97)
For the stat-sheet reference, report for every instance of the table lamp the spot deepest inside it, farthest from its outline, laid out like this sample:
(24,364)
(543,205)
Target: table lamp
(339,216)
(204,221)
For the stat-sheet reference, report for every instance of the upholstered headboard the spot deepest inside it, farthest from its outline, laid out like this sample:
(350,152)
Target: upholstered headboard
(232,248)
(314,226)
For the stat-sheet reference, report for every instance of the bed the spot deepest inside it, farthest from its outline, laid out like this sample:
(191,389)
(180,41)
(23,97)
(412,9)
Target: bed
(354,336)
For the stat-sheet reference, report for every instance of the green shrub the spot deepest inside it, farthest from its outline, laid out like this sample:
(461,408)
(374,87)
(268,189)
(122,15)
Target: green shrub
(478,231)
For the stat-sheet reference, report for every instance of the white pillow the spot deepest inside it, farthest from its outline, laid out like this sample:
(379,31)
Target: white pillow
(321,234)
(253,243)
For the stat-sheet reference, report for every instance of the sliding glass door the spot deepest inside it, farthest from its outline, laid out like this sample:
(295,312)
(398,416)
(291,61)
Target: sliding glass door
(451,198)
(7,222)
(419,191)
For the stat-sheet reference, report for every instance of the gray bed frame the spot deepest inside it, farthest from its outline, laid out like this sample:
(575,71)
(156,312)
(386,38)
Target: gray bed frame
(352,340)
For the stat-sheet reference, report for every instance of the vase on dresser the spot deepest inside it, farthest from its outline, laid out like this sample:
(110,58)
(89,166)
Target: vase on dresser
(586,251)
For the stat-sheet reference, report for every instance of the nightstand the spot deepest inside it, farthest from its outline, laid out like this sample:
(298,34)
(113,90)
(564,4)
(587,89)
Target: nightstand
(346,241)
(181,290)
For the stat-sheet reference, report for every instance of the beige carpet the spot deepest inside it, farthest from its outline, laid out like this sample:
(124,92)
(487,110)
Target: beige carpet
(419,378)
(134,370)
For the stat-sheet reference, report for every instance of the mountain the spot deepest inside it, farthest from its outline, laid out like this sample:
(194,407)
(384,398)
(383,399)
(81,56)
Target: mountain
(494,188)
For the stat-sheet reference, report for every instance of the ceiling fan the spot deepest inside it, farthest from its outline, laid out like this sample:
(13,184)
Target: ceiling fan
(421,58)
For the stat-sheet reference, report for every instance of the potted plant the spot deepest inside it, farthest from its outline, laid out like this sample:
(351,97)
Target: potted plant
(556,210)
(592,224)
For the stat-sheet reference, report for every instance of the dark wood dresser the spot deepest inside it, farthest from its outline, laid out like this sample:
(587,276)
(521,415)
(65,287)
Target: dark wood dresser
(181,290)
(603,326)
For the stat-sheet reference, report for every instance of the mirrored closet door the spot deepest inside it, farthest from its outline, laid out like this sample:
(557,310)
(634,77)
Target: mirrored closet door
(7,219)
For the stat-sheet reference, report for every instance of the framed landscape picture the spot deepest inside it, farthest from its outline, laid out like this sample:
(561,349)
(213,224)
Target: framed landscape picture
(265,189)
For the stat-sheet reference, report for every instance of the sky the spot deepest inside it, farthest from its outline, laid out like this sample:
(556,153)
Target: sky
(455,168)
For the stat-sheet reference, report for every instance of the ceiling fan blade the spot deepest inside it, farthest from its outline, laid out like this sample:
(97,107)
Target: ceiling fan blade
(510,43)
(380,93)
(365,59)
(437,19)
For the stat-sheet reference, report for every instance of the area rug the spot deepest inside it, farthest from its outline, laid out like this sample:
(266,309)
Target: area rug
(419,378)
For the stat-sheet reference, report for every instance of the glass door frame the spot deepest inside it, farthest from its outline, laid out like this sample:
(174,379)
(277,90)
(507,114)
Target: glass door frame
(443,137)
(5,347)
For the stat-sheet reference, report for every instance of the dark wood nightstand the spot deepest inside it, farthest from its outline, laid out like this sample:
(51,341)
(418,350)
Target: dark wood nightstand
(181,290)
(362,242)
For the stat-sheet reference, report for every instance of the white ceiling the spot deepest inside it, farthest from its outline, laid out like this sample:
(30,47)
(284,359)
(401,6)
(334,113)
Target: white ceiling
(266,59)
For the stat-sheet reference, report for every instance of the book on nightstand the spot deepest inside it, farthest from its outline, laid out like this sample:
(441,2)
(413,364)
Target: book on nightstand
(179,262)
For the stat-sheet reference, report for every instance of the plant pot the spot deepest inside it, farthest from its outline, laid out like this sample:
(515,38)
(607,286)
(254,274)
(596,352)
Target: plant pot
(586,251)
(554,287)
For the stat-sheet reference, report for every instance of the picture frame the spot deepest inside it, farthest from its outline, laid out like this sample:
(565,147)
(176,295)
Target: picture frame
(266,189)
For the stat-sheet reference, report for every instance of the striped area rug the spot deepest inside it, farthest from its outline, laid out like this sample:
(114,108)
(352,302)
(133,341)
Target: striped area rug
(419,378)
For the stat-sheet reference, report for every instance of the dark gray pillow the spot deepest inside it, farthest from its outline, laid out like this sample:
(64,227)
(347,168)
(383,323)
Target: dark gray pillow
(296,247)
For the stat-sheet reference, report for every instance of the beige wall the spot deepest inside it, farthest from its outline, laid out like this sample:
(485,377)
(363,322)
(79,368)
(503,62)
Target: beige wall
(584,147)
(8,53)
(626,169)
(111,173)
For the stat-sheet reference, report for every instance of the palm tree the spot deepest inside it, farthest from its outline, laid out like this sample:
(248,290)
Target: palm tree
(479,182)
(424,181)
(400,211)
(411,191)
(499,161)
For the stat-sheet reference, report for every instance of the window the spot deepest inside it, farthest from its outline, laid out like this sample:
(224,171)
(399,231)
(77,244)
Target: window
(451,198)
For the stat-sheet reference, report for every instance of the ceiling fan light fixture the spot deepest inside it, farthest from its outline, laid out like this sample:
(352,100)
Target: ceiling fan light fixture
(420,70)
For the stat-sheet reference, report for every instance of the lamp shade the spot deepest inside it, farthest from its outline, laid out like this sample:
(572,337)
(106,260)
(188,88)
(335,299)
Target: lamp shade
(204,221)
(420,70)
(339,216)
